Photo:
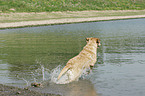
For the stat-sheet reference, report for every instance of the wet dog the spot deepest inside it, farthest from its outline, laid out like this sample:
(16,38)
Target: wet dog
(84,60)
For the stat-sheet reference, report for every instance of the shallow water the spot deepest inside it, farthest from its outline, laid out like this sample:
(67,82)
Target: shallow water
(32,54)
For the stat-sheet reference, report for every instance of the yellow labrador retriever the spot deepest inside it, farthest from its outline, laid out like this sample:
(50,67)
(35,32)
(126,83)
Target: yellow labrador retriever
(86,59)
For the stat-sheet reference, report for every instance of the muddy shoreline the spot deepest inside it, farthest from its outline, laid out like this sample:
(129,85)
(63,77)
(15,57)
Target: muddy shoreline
(16,20)
(15,91)
(64,21)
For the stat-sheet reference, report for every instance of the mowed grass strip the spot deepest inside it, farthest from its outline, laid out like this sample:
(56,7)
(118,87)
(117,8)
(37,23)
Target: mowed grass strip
(69,5)
(18,17)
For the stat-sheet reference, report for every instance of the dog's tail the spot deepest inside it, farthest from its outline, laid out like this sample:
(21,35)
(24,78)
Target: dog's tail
(63,71)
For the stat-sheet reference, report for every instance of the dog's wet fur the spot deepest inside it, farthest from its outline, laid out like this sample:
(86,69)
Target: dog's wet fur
(84,60)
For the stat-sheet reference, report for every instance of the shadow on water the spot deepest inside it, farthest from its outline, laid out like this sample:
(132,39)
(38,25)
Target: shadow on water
(78,88)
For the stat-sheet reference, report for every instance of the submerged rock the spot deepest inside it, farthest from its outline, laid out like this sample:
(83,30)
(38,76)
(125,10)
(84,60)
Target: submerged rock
(35,84)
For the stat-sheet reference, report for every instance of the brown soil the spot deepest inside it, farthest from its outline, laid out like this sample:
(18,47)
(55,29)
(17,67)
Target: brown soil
(14,91)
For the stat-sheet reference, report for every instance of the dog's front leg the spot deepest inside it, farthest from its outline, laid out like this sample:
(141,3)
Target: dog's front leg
(90,69)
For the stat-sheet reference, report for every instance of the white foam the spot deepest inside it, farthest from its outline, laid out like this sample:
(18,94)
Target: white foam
(54,73)
(43,74)
(65,78)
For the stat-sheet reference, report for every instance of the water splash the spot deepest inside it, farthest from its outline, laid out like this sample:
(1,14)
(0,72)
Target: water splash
(54,73)
(26,81)
(65,78)
(37,75)
(43,74)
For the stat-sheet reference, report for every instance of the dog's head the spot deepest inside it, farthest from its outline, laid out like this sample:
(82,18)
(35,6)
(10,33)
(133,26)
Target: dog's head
(96,40)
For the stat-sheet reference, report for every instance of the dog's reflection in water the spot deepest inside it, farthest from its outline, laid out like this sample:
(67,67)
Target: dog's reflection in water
(81,88)
(77,88)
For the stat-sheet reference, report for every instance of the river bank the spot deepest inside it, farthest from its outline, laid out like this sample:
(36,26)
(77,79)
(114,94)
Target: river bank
(14,91)
(12,20)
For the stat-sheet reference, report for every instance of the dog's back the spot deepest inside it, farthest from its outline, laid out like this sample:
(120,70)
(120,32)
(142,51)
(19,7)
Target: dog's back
(85,59)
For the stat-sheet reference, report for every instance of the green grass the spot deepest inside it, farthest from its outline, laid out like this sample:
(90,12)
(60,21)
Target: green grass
(18,17)
(69,5)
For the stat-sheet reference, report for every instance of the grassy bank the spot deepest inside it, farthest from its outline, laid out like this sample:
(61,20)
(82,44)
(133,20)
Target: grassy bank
(10,20)
(18,17)
(69,5)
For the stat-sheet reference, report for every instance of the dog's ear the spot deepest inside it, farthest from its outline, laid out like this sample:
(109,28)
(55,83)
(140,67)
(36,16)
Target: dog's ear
(87,39)
(98,40)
